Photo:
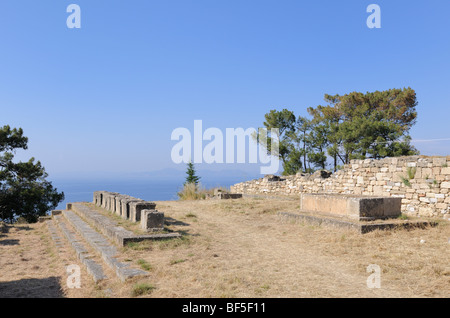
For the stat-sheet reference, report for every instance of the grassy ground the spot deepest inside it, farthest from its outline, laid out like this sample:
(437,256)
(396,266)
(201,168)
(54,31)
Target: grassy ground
(239,248)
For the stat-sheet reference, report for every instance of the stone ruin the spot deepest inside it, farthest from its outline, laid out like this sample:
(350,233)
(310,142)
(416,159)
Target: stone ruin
(355,207)
(422,183)
(363,213)
(221,195)
(130,208)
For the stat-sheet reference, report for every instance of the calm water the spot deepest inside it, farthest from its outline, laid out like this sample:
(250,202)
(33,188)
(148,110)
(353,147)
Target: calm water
(148,190)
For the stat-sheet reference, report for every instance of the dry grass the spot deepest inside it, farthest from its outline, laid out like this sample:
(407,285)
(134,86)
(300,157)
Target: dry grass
(239,248)
(32,266)
(192,191)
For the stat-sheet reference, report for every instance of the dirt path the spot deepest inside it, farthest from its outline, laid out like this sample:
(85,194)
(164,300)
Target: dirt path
(240,248)
(274,254)
(34,267)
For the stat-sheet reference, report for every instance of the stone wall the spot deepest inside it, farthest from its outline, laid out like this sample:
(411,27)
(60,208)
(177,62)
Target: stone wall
(422,182)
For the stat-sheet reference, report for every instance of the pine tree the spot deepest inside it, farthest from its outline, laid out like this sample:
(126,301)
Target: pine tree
(24,190)
(191,176)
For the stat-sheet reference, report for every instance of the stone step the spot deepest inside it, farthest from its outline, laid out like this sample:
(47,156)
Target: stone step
(54,233)
(92,267)
(362,227)
(102,246)
(109,228)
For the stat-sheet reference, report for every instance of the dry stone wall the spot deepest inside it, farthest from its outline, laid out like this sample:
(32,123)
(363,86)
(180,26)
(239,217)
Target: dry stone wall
(422,182)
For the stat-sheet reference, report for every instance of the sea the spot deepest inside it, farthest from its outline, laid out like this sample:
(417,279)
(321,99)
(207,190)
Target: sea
(160,189)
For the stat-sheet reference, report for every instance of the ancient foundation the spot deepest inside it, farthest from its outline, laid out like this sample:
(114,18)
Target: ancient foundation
(352,206)
(361,213)
(131,208)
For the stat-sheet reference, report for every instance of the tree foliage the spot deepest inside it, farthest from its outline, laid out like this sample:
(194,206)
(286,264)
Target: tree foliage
(351,126)
(191,175)
(24,190)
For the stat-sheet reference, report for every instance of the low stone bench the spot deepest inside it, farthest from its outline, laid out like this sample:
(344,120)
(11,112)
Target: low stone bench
(130,208)
(352,206)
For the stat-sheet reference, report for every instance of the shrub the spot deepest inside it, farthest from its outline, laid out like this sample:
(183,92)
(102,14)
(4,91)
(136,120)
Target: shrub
(142,289)
(411,172)
(192,191)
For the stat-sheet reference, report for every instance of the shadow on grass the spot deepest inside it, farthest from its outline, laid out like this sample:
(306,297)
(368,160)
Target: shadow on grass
(171,221)
(9,242)
(49,287)
(23,228)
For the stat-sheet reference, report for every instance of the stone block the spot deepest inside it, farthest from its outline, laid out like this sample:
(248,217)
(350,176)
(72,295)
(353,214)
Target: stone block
(392,206)
(229,195)
(352,206)
(445,185)
(112,202)
(95,197)
(152,220)
(104,199)
(442,206)
(440,161)
(426,173)
(98,197)
(118,204)
(136,208)
(125,206)
(108,201)
(44,218)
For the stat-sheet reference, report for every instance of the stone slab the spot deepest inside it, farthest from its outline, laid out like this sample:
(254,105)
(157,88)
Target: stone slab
(108,227)
(352,206)
(225,196)
(92,267)
(44,218)
(101,245)
(360,227)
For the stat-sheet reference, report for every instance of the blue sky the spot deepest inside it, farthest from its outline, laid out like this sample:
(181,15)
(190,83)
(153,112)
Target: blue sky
(106,97)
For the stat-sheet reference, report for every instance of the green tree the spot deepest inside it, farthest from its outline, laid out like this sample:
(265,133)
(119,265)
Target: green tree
(351,126)
(303,128)
(191,176)
(284,121)
(372,125)
(317,141)
(24,190)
